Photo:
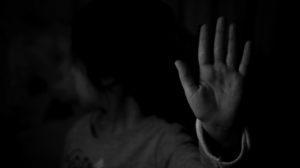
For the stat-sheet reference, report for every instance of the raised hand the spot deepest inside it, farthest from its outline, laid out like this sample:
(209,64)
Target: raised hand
(214,100)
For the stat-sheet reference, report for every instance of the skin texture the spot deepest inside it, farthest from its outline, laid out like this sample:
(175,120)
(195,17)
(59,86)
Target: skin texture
(214,100)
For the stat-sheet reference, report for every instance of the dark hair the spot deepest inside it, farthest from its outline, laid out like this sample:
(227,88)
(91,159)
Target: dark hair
(131,40)
(120,37)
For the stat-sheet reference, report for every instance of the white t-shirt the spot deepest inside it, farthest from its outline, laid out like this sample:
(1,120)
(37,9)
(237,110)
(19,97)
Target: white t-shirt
(153,143)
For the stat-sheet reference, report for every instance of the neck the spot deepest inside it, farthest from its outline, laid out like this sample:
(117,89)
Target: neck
(126,117)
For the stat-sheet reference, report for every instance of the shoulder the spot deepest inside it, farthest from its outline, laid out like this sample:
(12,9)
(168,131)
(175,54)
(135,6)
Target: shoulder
(165,129)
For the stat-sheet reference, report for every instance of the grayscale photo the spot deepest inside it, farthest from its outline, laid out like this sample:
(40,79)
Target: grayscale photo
(147,83)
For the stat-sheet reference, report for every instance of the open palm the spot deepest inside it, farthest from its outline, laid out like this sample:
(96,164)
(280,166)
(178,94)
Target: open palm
(215,98)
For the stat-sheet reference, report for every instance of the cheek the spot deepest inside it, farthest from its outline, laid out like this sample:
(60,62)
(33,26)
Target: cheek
(64,89)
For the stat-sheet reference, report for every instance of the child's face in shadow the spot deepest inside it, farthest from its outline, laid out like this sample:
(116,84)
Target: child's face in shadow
(108,96)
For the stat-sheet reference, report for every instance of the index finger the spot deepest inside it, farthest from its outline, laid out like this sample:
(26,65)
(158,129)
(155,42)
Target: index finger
(203,45)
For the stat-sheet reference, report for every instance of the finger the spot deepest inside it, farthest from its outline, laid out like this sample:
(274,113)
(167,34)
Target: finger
(219,40)
(231,51)
(245,58)
(186,78)
(203,46)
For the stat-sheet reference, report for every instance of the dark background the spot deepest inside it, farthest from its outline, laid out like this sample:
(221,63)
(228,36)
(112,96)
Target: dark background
(270,92)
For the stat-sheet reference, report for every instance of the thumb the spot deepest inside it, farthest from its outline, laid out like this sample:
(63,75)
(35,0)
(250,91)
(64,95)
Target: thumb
(186,78)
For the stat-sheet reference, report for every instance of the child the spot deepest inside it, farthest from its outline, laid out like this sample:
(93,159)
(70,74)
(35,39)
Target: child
(110,130)
(115,133)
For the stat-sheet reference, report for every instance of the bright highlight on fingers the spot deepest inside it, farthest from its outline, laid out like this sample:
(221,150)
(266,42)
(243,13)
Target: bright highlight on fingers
(219,40)
(203,45)
(231,51)
(245,58)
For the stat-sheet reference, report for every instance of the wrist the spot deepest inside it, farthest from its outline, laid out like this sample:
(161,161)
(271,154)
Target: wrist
(226,136)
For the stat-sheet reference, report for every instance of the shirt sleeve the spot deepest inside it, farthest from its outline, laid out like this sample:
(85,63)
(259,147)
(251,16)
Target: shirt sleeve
(203,147)
(177,149)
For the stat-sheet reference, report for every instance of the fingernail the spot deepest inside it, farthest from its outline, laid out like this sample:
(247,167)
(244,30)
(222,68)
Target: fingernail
(177,64)
(221,19)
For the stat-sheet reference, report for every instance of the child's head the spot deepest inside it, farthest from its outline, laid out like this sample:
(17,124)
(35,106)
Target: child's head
(128,40)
